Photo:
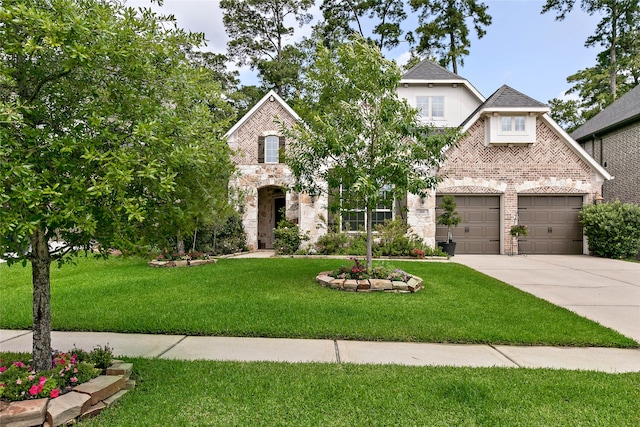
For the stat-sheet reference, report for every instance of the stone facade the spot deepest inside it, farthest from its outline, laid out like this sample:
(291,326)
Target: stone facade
(263,186)
(619,153)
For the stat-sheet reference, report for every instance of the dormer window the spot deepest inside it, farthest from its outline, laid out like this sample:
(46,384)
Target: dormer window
(513,124)
(506,129)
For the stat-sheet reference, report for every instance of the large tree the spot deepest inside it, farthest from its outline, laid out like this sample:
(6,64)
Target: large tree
(358,136)
(443,28)
(617,68)
(107,133)
(383,18)
(617,31)
(259,31)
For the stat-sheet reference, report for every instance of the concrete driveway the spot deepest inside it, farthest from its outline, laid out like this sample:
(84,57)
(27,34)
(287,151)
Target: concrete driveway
(604,290)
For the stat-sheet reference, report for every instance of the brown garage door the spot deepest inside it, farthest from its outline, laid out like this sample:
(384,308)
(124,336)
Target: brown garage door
(553,224)
(479,229)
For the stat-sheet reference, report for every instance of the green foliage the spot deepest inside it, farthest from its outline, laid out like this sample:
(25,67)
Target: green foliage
(101,357)
(612,229)
(226,238)
(449,216)
(617,68)
(358,271)
(258,31)
(519,230)
(287,237)
(358,134)
(444,29)
(391,239)
(342,19)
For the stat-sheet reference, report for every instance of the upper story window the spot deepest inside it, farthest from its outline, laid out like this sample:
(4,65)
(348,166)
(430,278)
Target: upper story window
(513,124)
(510,129)
(269,148)
(430,106)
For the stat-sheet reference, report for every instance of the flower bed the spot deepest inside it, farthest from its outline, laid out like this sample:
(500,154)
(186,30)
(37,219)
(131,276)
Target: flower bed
(72,389)
(356,278)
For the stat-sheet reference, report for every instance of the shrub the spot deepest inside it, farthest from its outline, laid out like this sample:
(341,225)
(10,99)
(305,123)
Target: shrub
(612,229)
(287,238)
(333,243)
(227,238)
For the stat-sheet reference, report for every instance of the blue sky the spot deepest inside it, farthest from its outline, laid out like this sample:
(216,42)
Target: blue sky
(531,52)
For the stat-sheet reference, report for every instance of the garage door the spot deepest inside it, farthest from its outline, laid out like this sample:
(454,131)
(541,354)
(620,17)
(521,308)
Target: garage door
(553,224)
(479,229)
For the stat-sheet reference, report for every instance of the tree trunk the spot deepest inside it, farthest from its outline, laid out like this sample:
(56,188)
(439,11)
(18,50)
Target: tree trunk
(369,239)
(179,244)
(40,273)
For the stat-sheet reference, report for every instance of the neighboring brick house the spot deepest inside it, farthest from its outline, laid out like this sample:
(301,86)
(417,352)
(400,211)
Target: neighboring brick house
(612,138)
(514,165)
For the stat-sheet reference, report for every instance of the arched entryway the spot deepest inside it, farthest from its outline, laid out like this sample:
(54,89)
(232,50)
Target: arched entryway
(271,204)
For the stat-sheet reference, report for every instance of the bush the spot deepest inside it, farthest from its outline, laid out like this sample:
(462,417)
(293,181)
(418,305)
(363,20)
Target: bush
(287,238)
(612,229)
(227,238)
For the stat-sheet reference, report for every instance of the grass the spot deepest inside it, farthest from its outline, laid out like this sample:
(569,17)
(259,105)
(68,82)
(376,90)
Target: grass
(206,393)
(279,298)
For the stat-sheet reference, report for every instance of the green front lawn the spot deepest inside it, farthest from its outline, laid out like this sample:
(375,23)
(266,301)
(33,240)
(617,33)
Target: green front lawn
(280,298)
(208,393)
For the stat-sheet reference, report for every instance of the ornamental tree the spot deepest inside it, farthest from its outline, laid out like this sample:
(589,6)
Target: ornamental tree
(107,134)
(356,133)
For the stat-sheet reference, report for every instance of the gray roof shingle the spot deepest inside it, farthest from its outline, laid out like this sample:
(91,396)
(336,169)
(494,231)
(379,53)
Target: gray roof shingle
(622,110)
(507,97)
(427,70)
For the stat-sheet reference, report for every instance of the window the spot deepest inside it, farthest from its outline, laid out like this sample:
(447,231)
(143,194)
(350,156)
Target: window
(272,146)
(513,124)
(430,106)
(269,148)
(355,218)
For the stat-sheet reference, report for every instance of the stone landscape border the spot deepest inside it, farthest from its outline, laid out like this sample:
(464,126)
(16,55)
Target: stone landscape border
(371,285)
(181,262)
(85,400)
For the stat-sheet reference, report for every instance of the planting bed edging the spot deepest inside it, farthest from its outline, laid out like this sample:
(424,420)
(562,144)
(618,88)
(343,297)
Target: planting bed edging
(86,400)
(181,262)
(370,285)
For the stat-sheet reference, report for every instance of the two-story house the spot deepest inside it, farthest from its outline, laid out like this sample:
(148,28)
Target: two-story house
(514,165)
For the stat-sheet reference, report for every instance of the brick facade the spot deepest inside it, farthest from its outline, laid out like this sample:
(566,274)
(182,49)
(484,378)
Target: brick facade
(619,153)
(549,166)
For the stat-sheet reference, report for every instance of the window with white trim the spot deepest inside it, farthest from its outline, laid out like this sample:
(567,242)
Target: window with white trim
(430,106)
(513,124)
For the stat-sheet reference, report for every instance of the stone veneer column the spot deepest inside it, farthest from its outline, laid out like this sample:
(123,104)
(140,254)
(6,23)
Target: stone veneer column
(421,217)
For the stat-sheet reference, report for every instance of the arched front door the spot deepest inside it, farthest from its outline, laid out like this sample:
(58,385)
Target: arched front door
(271,204)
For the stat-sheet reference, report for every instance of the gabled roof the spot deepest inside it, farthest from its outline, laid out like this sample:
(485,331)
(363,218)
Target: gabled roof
(259,104)
(506,100)
(622,111)
(507,97)
(430,72)
(427,70)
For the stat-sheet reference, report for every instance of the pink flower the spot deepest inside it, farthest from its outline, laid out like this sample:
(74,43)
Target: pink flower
(73,379)
(75,370)
(18,381)
(54,393)
(34,390)
(2,369)
(42,381)
(19,364)
(32,377)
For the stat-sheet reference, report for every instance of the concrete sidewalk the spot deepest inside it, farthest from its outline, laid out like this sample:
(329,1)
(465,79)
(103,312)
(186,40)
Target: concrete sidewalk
(335,351)
(604,290)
